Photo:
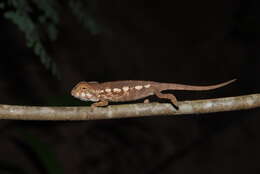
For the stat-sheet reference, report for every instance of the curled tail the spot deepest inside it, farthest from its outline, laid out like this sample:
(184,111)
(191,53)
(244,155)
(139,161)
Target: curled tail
(174,86)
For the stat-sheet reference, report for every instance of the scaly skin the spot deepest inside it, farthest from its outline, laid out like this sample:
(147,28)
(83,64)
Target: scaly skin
(130,90)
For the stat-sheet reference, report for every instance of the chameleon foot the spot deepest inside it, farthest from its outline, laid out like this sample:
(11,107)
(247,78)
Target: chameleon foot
(170,97)
(146,101)
(99,104)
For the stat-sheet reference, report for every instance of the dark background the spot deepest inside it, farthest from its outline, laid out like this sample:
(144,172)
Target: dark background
(192,42)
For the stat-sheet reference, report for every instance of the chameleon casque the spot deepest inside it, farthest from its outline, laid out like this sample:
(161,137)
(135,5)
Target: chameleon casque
(130,90)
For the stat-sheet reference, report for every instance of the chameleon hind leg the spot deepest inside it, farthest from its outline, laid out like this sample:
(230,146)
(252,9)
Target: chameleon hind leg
(170,97)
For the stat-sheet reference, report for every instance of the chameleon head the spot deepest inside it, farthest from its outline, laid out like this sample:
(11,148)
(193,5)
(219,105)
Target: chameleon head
(84,91)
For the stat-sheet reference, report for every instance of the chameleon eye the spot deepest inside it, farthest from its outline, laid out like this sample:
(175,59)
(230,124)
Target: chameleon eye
(83,88)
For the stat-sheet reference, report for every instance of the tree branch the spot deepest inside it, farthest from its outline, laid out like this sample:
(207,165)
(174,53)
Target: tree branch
(129,110)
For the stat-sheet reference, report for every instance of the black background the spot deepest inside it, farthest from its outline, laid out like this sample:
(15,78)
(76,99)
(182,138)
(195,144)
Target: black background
(192,42)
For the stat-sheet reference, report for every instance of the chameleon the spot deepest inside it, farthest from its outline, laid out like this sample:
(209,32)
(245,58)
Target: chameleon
(130,90)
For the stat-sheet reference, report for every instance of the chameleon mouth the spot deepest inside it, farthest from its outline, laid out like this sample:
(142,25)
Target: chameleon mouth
(84,96)
(78,95)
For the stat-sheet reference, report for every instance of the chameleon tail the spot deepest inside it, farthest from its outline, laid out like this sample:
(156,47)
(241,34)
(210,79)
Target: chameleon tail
(173,86)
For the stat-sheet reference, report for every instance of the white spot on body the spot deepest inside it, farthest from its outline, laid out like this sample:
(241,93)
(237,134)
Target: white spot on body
(108,90)
(77,94)
(147,86)
(89,95)
(117,90)
(83,94)
(138,87)
(125,88)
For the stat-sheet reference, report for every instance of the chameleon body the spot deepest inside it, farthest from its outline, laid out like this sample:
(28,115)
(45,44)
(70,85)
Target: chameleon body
(130,90)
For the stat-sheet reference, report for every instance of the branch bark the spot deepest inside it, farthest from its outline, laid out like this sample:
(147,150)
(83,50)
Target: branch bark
(13,112)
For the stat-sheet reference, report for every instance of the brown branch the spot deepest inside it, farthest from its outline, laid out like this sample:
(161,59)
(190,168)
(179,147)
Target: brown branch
(129,110)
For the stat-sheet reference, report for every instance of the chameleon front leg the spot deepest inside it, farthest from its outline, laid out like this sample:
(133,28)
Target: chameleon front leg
(146,101)
(166,96)
(100,103)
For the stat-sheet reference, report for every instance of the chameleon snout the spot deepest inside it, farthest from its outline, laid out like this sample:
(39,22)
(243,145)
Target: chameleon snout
(75,93)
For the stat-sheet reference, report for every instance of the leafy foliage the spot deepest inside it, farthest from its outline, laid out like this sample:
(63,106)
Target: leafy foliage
(21,15)
(84,13)
(39,20)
